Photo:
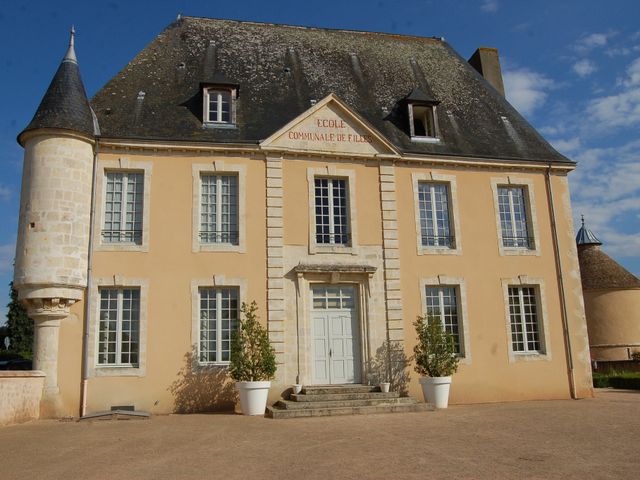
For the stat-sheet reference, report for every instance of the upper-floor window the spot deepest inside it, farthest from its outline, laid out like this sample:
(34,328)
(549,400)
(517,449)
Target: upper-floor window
(119,327)
(423,121)
(442,303)
(524,321)
(514,222)
(218,313)
(218,106)
(433,204)
(332,211)
(219,209)
(124,194)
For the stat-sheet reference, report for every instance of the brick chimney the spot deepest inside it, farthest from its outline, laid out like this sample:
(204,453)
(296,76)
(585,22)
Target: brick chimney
(487,62)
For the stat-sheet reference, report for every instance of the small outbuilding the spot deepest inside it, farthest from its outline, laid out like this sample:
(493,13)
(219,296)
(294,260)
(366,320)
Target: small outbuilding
(611,301)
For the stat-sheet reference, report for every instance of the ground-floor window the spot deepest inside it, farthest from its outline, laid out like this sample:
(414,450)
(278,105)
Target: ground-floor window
(442,303)
(218,319)
(523,315)
(119,329)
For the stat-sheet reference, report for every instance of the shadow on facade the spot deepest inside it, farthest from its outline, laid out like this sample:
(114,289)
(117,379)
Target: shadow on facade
(390,364)
(201,389)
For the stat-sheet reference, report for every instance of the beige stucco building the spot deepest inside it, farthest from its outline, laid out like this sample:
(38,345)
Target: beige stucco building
(345,181)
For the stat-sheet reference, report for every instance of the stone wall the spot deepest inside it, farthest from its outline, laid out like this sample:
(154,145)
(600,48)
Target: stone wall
(20,394)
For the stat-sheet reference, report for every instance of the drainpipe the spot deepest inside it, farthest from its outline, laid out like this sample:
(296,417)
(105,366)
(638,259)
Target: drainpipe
(561,290)
(87,302)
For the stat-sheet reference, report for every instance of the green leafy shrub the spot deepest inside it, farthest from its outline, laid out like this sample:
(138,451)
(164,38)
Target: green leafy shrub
(435,353)
(623,380)
(253,359)
(635,355)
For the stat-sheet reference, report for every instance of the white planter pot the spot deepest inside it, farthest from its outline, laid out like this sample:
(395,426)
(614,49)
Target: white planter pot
(296,388)
(384,387)
(253,397)
(436,390)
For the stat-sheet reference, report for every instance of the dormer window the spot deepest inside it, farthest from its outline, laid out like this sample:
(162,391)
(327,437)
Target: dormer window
(219,108)
(423,121)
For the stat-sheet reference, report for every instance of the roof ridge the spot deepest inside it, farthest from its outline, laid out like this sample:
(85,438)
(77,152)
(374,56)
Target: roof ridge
(435,38)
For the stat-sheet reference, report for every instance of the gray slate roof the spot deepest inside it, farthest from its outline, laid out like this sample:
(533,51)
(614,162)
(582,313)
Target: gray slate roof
(280,69)
(64,105)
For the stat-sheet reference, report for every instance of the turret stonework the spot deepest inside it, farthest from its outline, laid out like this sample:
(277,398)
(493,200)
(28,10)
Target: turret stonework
(53,234)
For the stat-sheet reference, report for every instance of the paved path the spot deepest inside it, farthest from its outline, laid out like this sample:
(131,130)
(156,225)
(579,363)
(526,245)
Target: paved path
(594,438)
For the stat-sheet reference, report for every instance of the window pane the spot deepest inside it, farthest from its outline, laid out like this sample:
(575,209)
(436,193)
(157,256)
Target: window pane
(124,194)
(525,335)
(433,205)
(331,211)
(219,209)
(218,320)
(119,326)
(513,217)
(442,303)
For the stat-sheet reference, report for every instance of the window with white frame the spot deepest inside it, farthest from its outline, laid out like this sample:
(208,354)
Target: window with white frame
(124,195)
(218,320)
(423,121)
(442,303)
(514,222)
(524,320)
(435,226)
(218,106)
(119,327)
(331,211)
(219,209)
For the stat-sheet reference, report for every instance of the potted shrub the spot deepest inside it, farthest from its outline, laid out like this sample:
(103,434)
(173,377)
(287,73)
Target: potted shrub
(253,361)
(436,360)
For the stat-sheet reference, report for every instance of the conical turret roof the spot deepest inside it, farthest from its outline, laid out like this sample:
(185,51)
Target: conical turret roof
(64,105)
(586,236)
(597,269)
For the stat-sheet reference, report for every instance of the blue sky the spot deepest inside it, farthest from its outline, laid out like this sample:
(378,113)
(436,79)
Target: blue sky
(571,67)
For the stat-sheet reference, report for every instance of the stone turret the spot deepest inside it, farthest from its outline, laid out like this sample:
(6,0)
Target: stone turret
(53,234)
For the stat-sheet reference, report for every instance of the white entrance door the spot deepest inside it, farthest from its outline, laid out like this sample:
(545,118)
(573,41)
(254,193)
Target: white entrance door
(335,335)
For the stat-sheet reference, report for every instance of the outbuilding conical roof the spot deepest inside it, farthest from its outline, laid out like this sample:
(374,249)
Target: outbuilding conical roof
(597,269)
(64,105)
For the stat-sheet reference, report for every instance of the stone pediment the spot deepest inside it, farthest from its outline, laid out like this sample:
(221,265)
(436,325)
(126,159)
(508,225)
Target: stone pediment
(330,126)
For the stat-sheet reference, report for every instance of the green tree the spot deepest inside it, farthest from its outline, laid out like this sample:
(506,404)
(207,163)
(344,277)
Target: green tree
(19,327)
(253,358)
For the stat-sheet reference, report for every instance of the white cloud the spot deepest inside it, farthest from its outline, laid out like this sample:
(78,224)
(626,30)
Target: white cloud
(566,145)
(7,253)
(593,40)
(490,6)
(620,109)
(633,74)
(526,89)
(5,192)
(584,67)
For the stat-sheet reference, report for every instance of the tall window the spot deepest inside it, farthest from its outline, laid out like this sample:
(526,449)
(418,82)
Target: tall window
(442,303)
(218,106)
(124,195)
(332,219)
(433,201)
(119,327)
(219,209)
(218,319)
(513,217)
(523,314)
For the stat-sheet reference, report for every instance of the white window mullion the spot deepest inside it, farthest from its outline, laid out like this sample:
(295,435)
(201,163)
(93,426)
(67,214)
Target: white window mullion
(218,225)
(512,212)
(218,321)
(119,315)
(523,320)
(332,232)
(434,215)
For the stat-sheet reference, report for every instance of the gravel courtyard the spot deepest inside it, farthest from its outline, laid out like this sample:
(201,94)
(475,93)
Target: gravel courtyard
(594,438)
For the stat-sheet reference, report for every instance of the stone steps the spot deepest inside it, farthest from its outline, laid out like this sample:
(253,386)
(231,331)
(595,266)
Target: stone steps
(342,396)
(330,400)
(293,405)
